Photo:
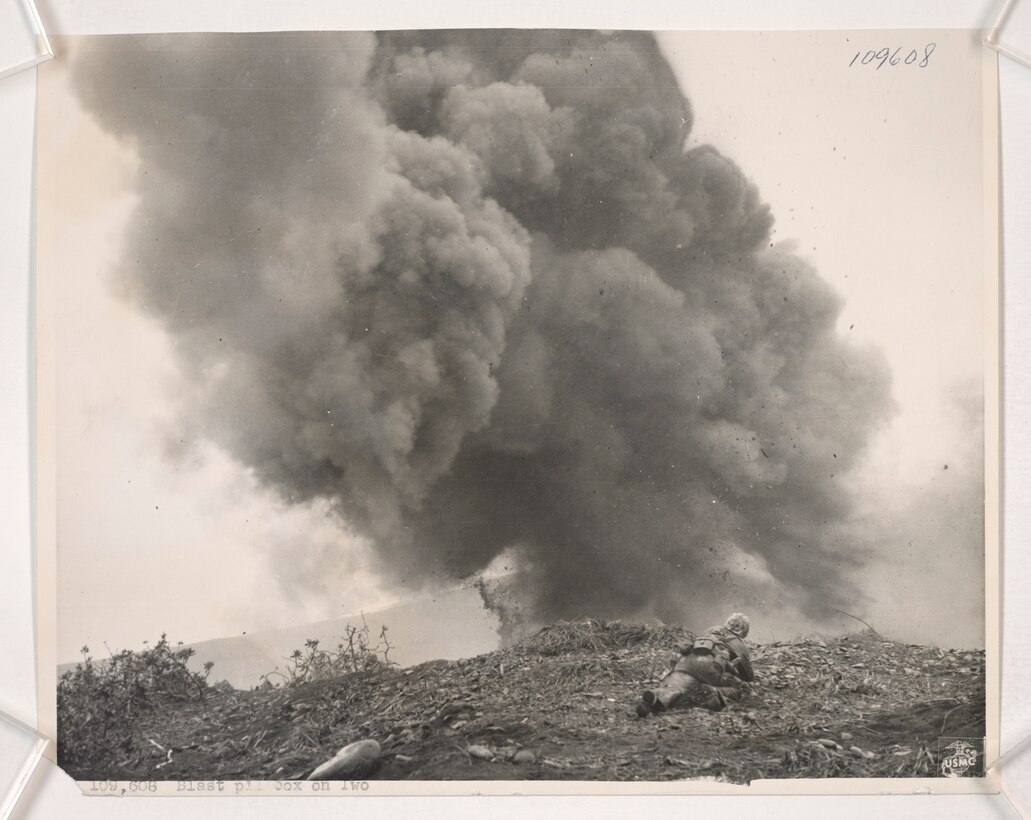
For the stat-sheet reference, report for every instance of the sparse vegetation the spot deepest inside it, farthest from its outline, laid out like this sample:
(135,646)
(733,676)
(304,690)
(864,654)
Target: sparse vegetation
(100,702)
(355,653)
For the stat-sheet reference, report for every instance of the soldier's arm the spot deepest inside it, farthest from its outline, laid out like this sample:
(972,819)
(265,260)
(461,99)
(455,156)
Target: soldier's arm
(742,667)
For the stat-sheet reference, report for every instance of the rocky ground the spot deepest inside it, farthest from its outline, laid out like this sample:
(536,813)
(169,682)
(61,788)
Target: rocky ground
(559,705)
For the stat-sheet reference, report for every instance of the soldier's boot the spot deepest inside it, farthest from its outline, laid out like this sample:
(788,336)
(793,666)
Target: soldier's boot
(649,703)
(653,701)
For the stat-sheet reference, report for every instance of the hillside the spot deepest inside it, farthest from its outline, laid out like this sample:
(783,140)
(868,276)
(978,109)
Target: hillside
(855,706)
(414,635)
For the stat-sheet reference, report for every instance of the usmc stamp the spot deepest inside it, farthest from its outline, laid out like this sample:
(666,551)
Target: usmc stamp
(961,756)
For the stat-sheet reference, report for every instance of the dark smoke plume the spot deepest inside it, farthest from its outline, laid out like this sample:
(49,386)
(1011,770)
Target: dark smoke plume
(472,288)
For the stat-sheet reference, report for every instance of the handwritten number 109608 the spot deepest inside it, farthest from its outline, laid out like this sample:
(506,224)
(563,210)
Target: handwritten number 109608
(898,56)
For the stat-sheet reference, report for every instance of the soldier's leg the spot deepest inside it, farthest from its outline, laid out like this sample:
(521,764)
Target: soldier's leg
(714,688)
(703,696)
(711,672)
(672,688)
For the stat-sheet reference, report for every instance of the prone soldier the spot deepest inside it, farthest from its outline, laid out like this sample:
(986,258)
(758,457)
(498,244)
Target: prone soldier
(708,673)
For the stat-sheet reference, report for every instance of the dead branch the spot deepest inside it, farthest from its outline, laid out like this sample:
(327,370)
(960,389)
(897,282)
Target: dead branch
(857,618)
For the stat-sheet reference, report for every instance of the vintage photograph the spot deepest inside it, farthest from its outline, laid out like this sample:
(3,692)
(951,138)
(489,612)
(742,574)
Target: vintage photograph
(517,405)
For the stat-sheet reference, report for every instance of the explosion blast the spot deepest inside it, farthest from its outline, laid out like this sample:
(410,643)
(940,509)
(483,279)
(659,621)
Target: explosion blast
(473,288)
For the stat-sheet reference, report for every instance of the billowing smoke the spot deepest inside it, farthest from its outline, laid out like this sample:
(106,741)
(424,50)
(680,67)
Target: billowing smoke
(472,289)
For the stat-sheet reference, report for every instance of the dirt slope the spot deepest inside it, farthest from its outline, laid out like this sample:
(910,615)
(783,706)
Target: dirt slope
(566,696)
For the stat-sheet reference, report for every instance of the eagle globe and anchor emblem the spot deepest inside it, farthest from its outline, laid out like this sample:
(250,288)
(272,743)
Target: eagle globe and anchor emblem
(959,758)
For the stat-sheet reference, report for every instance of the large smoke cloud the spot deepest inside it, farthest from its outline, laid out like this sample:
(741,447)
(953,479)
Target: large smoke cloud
(471,288)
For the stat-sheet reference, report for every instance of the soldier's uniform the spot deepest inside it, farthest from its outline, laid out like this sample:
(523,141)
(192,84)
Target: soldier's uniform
(708,672)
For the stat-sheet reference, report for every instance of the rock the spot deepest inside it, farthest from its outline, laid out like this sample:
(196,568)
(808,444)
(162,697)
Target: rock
(404,759)
(480,752)
(827,743)
(355,760)
(869,755)
(856,751)
(524,756)
(846,736)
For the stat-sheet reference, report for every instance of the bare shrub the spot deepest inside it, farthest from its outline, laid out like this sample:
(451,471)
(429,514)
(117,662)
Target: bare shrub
(355,653)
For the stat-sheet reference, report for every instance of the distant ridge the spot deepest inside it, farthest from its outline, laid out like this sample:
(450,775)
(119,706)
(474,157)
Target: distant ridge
(451,624)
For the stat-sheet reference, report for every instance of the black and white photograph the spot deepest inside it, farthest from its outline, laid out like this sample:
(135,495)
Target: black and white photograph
(518,405)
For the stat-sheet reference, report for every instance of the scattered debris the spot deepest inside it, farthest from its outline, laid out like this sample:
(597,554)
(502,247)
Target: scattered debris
(355,760)
(555,764)
(564,710)
(480,752)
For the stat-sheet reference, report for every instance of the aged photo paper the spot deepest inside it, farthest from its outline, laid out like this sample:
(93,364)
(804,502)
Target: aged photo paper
(519,411)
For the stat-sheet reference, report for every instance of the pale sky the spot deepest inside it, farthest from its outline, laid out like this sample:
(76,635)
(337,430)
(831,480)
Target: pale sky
(875,174)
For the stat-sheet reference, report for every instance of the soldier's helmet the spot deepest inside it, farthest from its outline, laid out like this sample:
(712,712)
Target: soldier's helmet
(739,624)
